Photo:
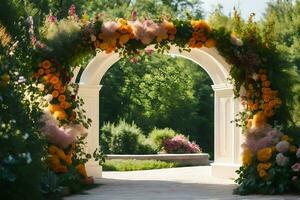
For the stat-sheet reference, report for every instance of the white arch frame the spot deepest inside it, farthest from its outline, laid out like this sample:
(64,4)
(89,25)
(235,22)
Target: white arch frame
(228,138)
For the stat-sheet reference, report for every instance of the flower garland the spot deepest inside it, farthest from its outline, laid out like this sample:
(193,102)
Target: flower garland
(201,34)
(53,83)
(131,37)
(259,95)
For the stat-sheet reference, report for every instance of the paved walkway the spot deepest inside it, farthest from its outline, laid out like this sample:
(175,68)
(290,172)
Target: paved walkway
(187,183)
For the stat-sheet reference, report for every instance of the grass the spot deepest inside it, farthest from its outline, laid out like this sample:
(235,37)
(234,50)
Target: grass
(132,165)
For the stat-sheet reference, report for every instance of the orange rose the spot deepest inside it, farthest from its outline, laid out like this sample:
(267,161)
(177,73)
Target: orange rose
(61,90)
(65,105)
(53,149)
(47,77)
(55,93)
(263,77)
(57,86)
(54,80)
(61,98)
(210,43)
(47,71)
(36,75)
(41,71)
(267,83)
(46,64)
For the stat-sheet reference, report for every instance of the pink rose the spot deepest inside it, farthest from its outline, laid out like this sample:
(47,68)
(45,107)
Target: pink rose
(296,167)
(281,160)
(283,146)
(298,153)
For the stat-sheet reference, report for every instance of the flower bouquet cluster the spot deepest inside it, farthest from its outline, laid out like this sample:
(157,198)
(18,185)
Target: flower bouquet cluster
(113,35)
(270,161)
(259,95)
(180,144)
(53,82)
(201,35)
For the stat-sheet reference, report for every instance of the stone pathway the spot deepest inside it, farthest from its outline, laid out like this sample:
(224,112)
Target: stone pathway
(190,183)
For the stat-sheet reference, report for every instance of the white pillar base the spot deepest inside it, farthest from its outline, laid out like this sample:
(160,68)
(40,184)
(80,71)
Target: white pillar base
(93,169)
(224,170)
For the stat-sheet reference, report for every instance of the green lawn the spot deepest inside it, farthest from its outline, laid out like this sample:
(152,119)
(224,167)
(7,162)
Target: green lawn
(132,165)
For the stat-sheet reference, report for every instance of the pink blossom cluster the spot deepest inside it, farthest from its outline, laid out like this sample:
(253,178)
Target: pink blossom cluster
(60,136)
(180,144)
(144,31)
(259,138)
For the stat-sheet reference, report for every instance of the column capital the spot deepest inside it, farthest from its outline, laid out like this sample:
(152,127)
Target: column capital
(89,90)
(222,87)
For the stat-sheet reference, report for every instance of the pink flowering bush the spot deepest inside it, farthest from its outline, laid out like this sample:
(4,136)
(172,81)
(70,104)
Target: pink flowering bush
(180,144)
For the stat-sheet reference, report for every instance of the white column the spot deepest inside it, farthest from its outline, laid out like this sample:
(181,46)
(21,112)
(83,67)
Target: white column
(227,135)
(90,96)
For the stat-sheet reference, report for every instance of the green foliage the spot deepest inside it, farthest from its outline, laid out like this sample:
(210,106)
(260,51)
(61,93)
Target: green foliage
(22,147)
(105,137)
(158,136)
(145,93)
(132,165)
(115,139)
(125,138)
(278,179)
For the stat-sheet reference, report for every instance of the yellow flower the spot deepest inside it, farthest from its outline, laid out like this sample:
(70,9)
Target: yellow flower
(247,157)
(60,115)
(263,166)
(81,170)
(259,119)
(123,39)
(285,138)
(264,154)
(263,173)
(210,43)
(293,149)
(53,107)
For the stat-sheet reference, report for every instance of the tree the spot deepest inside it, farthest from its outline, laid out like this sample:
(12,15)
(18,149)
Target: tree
(160,91)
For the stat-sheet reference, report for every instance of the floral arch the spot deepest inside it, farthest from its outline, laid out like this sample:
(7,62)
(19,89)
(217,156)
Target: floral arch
(228,138)
(238,63)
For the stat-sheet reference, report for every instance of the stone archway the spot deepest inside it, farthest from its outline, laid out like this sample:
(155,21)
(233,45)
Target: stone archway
(228,137)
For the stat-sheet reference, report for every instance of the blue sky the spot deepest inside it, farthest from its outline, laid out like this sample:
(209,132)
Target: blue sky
(246,6)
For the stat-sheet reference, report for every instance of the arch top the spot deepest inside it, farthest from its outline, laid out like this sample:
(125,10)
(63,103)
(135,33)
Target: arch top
(208,58)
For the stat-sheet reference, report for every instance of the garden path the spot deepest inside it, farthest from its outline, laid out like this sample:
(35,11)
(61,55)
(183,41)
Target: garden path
(190,183)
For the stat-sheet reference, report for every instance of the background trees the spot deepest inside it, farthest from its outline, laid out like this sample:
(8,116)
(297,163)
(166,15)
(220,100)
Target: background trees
(160,91)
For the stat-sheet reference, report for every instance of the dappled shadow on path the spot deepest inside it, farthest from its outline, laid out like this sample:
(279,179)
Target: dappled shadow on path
(116,189)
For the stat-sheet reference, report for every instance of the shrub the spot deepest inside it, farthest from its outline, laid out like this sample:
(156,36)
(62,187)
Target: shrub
(144,147)
(125,138)
(105,137)
(131,165)
(180,144)
(21,151)
(158,136)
